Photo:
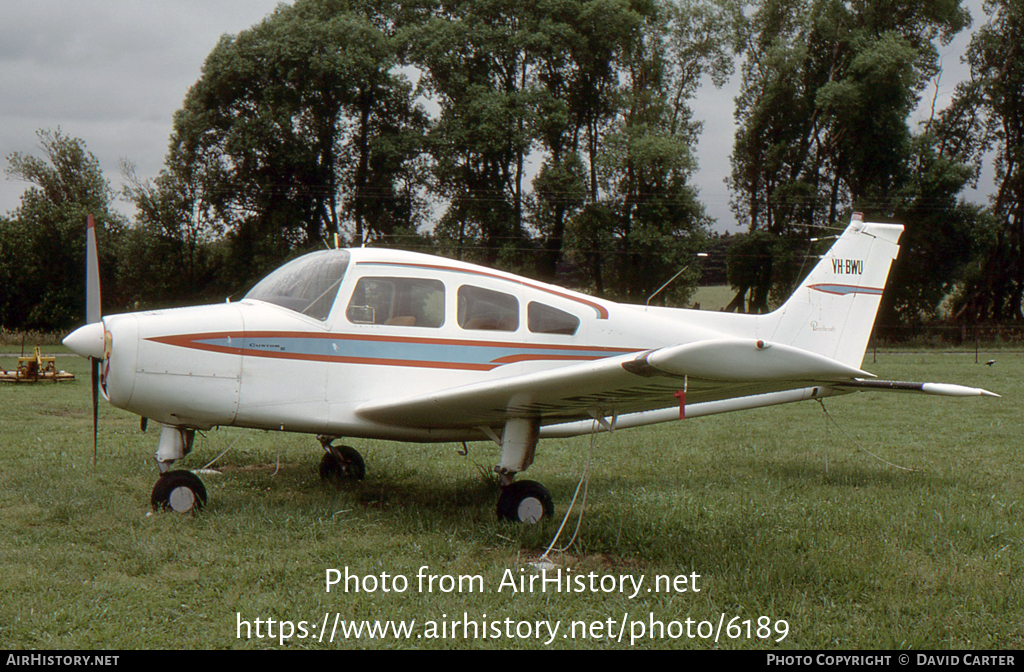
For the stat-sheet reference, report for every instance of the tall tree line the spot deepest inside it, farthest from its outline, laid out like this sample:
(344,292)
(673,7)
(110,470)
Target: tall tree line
(554,138)
(986,121)
(827,90)
(42,243)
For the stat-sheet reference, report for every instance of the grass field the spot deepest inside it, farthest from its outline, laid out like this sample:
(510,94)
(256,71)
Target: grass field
(780,517)
(713,297)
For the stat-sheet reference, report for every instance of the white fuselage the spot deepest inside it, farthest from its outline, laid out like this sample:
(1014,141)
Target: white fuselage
(260,365)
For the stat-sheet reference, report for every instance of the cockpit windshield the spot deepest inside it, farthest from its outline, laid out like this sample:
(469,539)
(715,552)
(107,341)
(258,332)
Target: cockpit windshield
(307,285)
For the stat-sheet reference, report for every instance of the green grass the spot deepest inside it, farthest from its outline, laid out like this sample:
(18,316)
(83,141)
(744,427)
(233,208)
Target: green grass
(713,297)
(779,517)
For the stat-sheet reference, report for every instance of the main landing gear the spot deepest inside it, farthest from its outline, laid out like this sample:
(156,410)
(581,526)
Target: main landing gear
(525,502)
(340,462)
(521,501)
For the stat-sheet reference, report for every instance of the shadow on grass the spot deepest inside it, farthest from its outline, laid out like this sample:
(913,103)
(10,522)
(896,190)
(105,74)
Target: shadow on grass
(299,483)
(449,496)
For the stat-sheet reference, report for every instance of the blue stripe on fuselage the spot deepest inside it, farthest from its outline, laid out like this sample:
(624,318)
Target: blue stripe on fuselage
(443,352)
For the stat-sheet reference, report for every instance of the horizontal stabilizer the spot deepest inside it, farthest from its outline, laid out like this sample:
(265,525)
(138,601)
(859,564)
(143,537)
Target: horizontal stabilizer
(749,360)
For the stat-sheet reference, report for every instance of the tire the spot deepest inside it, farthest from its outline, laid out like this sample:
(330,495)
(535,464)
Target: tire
(350,467)
(525,502)
(180,491)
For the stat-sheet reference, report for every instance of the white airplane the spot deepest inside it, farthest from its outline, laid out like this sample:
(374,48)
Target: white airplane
(386,344)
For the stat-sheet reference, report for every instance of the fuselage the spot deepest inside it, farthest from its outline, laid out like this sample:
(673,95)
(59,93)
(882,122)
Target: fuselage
(339,328)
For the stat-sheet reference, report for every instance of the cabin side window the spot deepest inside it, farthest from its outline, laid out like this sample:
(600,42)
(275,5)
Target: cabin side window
(402,302)
(481,308)
(543,319)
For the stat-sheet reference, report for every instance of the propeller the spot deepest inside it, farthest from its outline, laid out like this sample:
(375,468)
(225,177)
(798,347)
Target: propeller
(93,314)
(90,340)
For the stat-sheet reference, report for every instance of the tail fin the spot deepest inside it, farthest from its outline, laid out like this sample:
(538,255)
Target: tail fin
(833,311)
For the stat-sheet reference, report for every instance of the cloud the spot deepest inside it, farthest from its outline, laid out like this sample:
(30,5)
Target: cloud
(111,73)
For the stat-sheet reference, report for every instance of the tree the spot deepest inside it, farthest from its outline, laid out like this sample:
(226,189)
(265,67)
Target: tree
(827,89)
(561,80)
(300,127)
(758,262)
(306,123)
(988,116)
(45,238)
(173,249)
(940,238)
(477,65)
(654,218)
(580,50)
(13,304)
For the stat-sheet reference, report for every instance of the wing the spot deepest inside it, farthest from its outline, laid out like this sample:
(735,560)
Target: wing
(709,370)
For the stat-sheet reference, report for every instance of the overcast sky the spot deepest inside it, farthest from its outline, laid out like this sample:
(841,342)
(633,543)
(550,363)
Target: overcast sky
(113,73)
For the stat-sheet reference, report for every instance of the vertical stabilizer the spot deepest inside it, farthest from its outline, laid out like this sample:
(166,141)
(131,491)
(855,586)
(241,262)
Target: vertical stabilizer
(833,311)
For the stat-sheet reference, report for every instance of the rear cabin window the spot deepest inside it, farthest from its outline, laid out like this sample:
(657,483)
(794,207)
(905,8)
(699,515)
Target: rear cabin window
(481,308)
(543,319)
(403,302)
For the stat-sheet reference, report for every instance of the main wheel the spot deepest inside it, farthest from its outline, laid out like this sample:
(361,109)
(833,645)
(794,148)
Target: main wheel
(179,491)
(349,466)
(525,502)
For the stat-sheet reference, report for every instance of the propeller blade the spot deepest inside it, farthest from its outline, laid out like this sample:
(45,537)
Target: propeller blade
(93,312)
(95,366)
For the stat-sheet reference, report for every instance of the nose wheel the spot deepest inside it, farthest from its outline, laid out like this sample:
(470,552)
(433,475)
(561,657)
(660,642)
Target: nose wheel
(179,491)
(525,502)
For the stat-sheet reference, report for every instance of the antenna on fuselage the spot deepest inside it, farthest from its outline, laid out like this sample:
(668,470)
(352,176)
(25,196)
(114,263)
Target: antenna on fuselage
(683,269)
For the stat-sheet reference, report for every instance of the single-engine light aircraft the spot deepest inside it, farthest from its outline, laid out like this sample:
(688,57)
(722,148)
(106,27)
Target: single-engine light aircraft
(386,344)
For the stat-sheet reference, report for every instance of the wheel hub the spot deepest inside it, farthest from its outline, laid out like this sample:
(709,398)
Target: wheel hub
(182,499)
(531,510)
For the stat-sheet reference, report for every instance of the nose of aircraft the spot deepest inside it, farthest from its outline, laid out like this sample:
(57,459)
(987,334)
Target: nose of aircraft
(86,341)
